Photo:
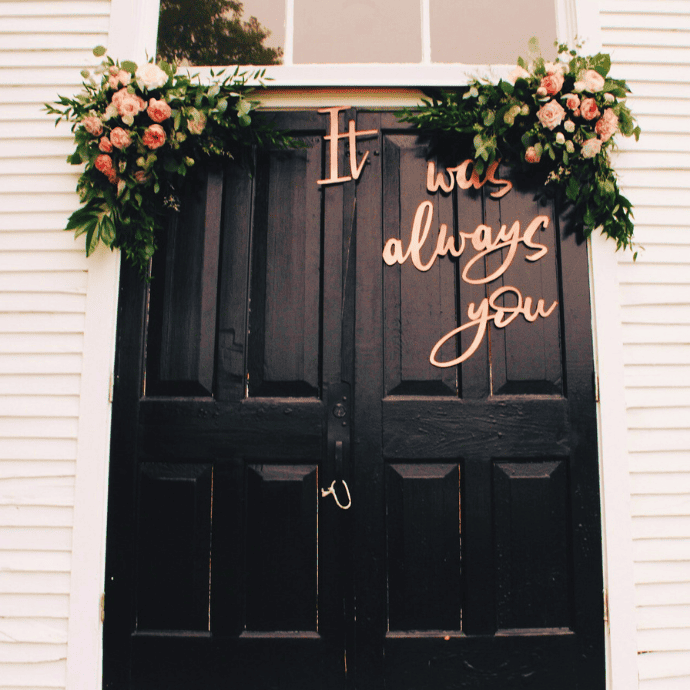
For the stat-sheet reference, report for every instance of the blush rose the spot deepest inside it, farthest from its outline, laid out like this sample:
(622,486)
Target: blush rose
(607,125)
(589,109)
(532,155)
(154,137)
(104,163)
(92,125)
(552,83)
(158,111)
(105,145)
(196,122)
(551,115)
(128,104)
(120,138)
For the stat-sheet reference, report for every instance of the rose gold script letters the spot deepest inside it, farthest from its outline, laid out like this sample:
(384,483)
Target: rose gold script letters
(351,135)
(459,174)
(481,238)
(481,316)
(484,242)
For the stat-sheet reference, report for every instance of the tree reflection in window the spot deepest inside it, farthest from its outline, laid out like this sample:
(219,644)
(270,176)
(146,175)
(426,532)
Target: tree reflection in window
(212,32)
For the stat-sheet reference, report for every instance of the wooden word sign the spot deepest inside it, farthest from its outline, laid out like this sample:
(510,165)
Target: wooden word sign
(485,241)
(351,135)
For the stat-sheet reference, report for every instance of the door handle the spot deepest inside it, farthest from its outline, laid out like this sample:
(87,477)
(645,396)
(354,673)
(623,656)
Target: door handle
(331,491)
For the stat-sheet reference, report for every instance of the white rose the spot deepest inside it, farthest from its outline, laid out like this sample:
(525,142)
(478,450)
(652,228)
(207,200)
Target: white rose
(579,86)
(569,126)
(609,97)
(560,138)
(150,76)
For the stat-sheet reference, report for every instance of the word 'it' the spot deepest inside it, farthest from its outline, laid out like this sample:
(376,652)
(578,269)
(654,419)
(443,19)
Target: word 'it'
(333,137)
(458,174)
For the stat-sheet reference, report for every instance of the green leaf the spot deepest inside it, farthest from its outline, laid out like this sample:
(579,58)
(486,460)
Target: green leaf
(506,87)
(99,51)
(129,66)
(85,73)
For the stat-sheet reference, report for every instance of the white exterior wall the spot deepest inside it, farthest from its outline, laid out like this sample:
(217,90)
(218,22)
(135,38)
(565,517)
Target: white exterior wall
(650,47)
(43,324)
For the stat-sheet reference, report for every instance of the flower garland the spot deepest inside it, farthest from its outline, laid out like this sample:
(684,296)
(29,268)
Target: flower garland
(553,119)
(139,130)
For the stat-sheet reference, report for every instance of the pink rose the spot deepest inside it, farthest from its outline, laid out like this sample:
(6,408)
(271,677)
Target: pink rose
(158,111)
(591,147)
(119,77)
(607,125)
(92,125)
(154,137)
(141,177)
(128,104)
(553,83)
(531,155)
(120,138)
(113,70)
(112,176)
(593,81)
(104,163)
(551,115)
(572,101)
(105,145)
(588,109)
(196,122)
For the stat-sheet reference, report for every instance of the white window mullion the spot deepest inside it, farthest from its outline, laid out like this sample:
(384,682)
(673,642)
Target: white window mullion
(288,51)
(426,31)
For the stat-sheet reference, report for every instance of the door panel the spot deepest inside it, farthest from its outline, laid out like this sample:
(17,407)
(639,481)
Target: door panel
(289,369)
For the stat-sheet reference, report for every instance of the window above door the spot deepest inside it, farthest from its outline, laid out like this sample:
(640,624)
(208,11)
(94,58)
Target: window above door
(381,42)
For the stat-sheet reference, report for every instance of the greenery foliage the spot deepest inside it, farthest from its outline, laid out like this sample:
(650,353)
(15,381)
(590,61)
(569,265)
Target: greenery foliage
(139,131)
(554,120)
(211,32)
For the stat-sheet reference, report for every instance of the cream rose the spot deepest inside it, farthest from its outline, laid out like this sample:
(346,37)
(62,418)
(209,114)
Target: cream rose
(593,81)
(553,83)
(591,147)
(154,137)
(569,126)
(92,125)
(158,111)
(551,115)
(120,138)
(589,109)
(196,122)
(518,73)
(150,76)
(607,125)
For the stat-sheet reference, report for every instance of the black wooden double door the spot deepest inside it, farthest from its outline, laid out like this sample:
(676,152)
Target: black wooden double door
(298,497)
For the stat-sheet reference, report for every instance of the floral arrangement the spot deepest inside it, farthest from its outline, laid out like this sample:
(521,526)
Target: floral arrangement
(556,120)
(139,130)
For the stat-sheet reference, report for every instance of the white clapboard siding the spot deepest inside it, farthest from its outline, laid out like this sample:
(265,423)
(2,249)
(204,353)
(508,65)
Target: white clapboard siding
(650,47)
(43,47)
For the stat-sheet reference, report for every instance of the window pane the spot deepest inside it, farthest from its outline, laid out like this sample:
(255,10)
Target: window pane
(222,32)
(490,33)
(347,31)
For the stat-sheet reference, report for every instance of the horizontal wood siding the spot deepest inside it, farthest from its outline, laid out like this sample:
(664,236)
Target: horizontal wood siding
(650,46)
(43,46)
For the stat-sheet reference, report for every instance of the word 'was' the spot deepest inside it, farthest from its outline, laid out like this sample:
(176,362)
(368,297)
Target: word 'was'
(458,175)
